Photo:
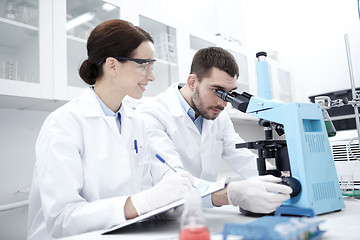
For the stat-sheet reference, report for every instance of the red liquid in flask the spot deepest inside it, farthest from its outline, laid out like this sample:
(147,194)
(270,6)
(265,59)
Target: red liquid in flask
(197,233)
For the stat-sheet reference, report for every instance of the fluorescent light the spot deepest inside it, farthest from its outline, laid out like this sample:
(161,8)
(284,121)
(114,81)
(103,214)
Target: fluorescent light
(79,20)
(108,7)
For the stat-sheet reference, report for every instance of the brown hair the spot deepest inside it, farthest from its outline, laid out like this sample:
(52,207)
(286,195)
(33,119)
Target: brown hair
(112,38)
(207,58)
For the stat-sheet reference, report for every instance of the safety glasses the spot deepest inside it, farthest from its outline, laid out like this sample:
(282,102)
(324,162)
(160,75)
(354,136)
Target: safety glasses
(145,65)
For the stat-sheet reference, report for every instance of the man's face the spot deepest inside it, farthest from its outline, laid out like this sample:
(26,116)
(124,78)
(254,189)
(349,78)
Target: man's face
(204,100)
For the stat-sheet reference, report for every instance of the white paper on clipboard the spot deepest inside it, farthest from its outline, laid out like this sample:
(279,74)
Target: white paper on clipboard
(204,187)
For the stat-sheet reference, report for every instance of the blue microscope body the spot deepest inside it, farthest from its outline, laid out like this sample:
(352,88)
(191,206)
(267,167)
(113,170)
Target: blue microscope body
(304,160)
(309,152)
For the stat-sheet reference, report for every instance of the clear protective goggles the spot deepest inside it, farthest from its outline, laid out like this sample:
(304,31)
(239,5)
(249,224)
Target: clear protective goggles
(145,65)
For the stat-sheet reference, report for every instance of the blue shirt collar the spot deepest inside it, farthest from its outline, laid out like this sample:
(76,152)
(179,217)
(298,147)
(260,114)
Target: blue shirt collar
(189,110)
(108,111)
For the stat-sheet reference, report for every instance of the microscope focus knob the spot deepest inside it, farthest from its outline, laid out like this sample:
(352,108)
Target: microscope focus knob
(293,183)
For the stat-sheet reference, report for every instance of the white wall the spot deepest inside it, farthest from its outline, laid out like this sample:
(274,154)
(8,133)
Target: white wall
(19,130)
(18,133)
(309,37)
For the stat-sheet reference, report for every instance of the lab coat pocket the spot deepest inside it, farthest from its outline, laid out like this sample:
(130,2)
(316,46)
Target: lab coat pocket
(141,153)
(217,149)
(212,160)
(141,165)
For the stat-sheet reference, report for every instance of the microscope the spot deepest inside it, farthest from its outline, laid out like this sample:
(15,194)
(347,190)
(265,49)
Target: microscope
(303,160)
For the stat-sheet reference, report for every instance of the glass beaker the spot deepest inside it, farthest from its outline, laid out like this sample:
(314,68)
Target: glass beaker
(10,66)
(10,11)
(347,185)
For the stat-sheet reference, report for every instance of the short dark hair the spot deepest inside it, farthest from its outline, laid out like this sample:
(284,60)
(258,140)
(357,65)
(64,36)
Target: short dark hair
(207,58)
(111,38)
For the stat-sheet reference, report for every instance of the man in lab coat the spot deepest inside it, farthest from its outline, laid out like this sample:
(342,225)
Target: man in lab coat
(187,126)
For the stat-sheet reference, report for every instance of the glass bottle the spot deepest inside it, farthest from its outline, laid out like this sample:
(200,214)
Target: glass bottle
(193,225)
(10,10)
(331,131)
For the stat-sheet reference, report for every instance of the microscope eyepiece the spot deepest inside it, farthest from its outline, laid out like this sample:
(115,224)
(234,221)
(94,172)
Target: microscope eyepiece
(238,101)
(224,95)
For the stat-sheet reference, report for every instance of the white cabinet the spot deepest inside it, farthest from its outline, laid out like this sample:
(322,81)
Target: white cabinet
(281,82)
(285,85)
(45,43)
(79,18)
(165,41)
(74,20)
(168,44)
(26,68)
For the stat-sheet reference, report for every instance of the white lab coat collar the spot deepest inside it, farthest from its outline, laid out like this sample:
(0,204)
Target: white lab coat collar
(90,106)
(178,111)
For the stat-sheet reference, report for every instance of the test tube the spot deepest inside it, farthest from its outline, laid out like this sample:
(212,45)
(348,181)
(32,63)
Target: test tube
(10,68)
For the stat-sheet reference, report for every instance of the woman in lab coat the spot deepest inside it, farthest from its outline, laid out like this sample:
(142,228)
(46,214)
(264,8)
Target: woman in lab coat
(92,163)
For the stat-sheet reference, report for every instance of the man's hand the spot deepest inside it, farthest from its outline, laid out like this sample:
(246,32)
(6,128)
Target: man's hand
(262,194)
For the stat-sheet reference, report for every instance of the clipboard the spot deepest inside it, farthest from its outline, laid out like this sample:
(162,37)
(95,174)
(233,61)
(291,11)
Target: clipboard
(203,186)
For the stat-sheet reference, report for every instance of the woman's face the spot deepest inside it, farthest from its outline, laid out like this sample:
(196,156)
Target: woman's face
(135,77)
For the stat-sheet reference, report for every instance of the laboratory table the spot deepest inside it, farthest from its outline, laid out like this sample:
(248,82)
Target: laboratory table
(344,224)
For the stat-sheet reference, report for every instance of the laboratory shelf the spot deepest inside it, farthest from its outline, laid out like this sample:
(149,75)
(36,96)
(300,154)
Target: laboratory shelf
(16,33)
(19,51)
(76,39)
(29,103)
(166,69)
(9,87)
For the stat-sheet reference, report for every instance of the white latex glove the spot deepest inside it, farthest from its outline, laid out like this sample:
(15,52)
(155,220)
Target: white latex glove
(262,194)
(171,188)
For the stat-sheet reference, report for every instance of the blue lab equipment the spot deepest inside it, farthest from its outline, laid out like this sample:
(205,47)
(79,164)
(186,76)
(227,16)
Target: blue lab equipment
(305,157)
(263,76)
(275,228)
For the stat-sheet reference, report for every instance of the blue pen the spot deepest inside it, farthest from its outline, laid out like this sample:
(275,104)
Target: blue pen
(135,146)
(163,161)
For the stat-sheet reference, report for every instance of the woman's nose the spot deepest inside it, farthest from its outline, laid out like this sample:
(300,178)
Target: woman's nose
(150,76)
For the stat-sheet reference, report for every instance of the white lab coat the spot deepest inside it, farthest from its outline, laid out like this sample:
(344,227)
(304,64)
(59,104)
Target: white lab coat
(174,136)
(85,169)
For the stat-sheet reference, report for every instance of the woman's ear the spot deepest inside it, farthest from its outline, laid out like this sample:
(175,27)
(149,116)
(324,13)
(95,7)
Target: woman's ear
(110,65)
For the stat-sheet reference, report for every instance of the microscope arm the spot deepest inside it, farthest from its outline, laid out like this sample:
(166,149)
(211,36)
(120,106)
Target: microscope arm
(247,103)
